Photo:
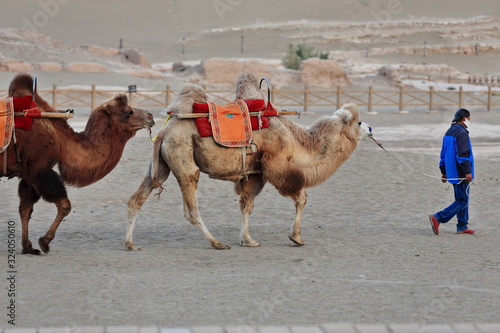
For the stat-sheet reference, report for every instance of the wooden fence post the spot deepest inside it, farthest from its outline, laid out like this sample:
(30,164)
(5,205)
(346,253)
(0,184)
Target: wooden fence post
(130,98)
(460,94)
(370,93)
(338,97)
(401,103)
(488,106)
(92,97)
(54,96)
(431,97)
(306,98)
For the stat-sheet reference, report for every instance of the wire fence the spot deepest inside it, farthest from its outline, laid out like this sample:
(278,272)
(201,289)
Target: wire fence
(306,99)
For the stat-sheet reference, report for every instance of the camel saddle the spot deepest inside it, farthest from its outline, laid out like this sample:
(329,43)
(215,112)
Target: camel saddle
(231,125)
(11,120)
(6,123)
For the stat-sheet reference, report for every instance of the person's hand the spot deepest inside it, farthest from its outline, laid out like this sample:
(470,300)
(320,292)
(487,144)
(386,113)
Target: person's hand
(468,177)
(443,178)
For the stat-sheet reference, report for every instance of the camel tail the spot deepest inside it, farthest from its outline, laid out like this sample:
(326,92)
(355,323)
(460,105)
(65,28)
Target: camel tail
(157,163)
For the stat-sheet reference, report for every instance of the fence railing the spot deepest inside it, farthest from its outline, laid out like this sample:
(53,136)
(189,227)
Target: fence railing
(372,99)
(485,80)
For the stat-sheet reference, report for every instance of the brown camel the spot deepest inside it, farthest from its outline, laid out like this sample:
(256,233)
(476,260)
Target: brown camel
(83,158)
(290,157)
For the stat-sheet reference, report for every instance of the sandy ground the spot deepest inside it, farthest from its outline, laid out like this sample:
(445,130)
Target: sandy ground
(370,255)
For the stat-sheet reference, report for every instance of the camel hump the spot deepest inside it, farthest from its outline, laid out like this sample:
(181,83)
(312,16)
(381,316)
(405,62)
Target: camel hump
(21,85)
(247,87)
(188,95)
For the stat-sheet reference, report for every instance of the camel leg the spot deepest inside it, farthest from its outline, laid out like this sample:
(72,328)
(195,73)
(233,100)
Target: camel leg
(28,198)
(137,200)
(48,185)
(51,187)
(63,209)
(300,201)
(248,190)
(188,185)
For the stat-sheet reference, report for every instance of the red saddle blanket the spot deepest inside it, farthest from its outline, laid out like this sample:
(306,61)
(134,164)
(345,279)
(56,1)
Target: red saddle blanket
(27,105)
(254,105)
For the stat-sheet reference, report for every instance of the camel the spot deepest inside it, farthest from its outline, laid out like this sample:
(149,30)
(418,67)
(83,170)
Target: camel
(290,157)
(82,158)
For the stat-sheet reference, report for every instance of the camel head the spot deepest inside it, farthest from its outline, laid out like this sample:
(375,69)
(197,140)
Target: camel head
(353,127)
(247,87)
(188,95)
(122,117)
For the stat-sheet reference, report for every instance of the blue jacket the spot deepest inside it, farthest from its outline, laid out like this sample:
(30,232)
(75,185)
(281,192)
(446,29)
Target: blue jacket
(456,154)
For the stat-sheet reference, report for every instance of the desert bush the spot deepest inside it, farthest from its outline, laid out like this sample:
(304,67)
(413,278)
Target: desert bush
(299,52)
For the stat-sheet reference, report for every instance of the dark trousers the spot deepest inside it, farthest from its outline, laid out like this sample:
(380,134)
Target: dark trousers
(460,207)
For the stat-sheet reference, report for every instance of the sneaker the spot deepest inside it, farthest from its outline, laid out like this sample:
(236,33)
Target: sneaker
(434,224)
(466,231)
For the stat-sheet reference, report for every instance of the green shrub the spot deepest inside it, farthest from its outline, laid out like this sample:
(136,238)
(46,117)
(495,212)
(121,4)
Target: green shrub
(297,53)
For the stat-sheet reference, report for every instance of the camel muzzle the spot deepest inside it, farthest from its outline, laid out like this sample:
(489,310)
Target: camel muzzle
(150,122)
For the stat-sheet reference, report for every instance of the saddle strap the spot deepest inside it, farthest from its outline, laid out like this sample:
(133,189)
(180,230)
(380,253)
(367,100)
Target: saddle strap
(244,159)
(5,163)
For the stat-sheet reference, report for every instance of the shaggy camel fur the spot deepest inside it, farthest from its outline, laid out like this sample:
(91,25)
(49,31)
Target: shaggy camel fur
(188,95)
(83,158)
(289,157)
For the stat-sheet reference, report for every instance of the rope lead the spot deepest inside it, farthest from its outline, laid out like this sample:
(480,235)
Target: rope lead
(424,174)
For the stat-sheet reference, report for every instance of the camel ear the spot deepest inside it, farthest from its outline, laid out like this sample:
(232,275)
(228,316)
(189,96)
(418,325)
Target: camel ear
(105,108)
(344,115)
(121,100)
(348,112)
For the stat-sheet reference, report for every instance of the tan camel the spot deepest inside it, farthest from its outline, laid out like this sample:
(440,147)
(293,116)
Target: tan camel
(290,157)
(83,158)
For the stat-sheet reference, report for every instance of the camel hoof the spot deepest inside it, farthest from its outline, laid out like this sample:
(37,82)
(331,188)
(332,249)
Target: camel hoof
(131,247)
(220,246)
(31,251)
(251,243)
(296,239)
(44,244)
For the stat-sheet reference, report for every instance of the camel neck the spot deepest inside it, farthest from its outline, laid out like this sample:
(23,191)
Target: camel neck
(90,155)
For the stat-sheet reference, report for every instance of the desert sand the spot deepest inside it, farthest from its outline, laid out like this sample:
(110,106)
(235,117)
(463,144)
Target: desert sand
(370,254)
